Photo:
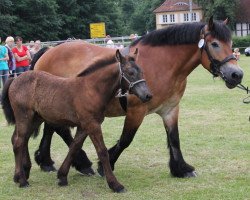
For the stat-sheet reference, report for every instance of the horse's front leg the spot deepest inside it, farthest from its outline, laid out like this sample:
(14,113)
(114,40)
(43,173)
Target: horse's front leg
(133,120)
(177,164)
(74,148)
(95,134)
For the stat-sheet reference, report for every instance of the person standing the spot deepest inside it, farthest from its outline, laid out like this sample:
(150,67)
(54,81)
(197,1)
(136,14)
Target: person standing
(9,44)
(22,56)
(4,69)
(35,49)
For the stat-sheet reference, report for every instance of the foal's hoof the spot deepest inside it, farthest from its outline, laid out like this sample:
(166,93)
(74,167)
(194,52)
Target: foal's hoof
(87,171)
(122,190)
(48,168)
(190,174)
(25,184)
(62,182)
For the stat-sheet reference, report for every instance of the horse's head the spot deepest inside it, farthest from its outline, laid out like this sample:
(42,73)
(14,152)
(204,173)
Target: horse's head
(132,77)
(216,48)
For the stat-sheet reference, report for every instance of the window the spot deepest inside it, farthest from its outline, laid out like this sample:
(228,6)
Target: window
(186,17)
(164,18)
(172,19)
(193,16)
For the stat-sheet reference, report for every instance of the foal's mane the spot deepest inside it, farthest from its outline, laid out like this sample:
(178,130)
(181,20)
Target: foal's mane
(183,34)
(98,64)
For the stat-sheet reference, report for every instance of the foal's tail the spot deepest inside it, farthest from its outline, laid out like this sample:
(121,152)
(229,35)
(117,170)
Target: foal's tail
(7,109)
(37,56)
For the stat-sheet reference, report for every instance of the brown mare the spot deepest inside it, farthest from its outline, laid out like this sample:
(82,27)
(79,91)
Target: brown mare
(167,56)
(79,101)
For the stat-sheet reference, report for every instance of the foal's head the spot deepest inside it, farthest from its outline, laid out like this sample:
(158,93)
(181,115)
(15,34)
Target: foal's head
(132,77)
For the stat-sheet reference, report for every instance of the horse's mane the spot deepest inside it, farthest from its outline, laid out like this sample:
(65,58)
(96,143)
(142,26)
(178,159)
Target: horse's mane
(98,64)
(183,34)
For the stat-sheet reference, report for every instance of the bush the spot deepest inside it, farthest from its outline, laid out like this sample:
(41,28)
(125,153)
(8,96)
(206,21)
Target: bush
(241,42)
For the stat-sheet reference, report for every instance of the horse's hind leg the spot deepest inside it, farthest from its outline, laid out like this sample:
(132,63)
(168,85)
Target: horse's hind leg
(42,155)
(73,150)
(80,160)
(177,164)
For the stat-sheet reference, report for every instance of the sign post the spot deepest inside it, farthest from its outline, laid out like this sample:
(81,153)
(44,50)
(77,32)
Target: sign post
(97,30)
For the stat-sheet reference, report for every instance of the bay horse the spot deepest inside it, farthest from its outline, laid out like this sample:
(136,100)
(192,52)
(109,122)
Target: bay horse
(79,101)
(167,57)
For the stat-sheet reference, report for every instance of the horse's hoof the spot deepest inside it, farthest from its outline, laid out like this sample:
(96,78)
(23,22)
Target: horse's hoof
(122,190)
(24,184)
(63,182)
(87,171)
(190,174)
(48,168)
(16,178)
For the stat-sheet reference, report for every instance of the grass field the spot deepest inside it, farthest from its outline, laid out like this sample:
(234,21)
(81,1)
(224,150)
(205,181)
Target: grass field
(215,138)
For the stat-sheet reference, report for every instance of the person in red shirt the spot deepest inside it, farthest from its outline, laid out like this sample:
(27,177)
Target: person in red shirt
(22,56)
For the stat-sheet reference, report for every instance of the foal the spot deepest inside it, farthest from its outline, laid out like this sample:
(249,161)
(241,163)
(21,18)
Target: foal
(36,96)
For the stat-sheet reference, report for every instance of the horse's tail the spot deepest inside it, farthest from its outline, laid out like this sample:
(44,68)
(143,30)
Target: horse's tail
(7,109)
(37,56)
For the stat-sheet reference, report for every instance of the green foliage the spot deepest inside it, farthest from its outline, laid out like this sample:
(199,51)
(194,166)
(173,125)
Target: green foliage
(241,42)
(220,9)
(59,19)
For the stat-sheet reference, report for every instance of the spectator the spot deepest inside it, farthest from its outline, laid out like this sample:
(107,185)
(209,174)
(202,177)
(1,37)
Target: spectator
(9,44)
(22,56)
(110,43)
(133,37)
(4,69)
(35,49)
(31,44)
(237,53)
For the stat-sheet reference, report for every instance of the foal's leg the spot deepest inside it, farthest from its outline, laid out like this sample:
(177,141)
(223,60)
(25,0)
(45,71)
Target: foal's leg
(96,137)
(19,140)
(133,120)
(80,160)
(73,150)
(43,157)
(177,164)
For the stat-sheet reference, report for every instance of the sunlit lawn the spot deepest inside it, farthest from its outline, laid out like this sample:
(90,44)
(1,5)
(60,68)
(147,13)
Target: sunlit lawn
(215,138)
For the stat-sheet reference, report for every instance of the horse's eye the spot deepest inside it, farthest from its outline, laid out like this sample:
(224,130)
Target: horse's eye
(214,45)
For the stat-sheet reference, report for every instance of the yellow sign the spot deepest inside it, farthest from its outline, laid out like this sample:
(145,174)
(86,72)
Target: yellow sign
(97,30)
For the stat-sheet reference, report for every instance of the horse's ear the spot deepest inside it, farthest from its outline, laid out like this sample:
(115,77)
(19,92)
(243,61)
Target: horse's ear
(136,52)
(211,24)
(225,21)
(118,55)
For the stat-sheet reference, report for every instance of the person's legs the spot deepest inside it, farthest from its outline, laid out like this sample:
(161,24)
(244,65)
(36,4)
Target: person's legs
(20,70)
(5,76)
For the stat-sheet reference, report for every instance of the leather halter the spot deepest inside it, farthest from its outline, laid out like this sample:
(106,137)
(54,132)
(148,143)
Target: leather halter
(215,64)
(123,92)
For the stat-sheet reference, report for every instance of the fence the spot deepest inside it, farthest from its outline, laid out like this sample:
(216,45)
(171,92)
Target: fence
(118,41)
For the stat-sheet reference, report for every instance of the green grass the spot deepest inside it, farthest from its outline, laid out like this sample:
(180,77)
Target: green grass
(215,138)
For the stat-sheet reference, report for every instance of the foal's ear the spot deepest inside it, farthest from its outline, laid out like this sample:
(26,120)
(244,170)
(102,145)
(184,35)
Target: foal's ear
(118,55)
(136,52)
(225,21)
(211,24)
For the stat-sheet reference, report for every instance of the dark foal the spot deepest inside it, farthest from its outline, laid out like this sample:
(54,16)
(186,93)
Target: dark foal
(79,102)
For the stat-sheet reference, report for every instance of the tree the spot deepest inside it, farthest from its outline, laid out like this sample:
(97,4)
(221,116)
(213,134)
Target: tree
(220,9)
(37,19)
(7,20)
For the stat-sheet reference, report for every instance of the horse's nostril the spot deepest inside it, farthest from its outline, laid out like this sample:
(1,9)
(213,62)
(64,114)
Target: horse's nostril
(149,96)
(236,76)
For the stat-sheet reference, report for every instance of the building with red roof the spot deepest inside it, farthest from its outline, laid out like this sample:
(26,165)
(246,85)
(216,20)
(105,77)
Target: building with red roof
(243,18)
(177,11)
